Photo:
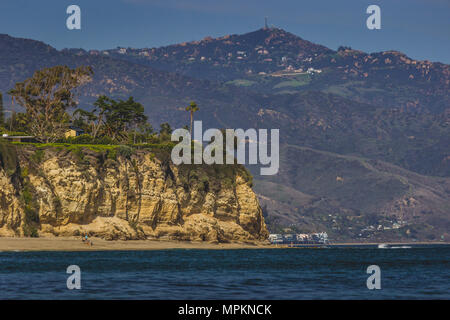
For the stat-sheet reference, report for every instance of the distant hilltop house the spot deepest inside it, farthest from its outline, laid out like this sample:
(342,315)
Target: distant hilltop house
(73,132)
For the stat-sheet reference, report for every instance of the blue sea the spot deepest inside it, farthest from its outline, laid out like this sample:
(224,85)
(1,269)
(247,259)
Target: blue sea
(300,273)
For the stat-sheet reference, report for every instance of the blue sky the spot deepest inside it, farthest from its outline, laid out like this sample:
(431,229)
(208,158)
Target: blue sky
(420,28)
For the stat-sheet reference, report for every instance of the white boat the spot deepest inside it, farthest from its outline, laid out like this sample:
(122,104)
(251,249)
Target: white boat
(386,246)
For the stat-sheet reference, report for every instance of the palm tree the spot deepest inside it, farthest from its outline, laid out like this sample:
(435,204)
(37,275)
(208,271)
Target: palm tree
(192,108)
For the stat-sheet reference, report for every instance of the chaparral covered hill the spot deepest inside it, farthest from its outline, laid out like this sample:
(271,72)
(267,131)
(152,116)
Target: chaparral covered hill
(383,107)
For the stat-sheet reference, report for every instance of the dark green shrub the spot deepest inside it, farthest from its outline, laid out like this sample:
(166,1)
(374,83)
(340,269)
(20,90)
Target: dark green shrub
(87,139)
(78,152)
(81,139)
(125,151)
(31,217)
(8,157)
(30,231)
(112,154)
(104,140)
(38,156)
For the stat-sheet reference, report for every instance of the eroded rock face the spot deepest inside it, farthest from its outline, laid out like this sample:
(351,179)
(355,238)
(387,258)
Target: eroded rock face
(143,196)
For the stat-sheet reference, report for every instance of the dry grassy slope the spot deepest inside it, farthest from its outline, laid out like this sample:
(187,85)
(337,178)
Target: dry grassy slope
(317,190)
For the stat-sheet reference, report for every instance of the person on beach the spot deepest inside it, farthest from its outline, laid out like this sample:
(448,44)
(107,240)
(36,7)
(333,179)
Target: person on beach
(87,241)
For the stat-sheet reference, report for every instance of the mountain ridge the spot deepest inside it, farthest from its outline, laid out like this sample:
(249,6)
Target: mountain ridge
(397,119)
(255,55)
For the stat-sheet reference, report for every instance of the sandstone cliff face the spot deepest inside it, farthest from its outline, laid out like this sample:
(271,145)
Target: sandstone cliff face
(124,195)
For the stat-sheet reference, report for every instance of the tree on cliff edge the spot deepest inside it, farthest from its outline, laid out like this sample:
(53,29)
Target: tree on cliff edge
(192,108)
(46,96)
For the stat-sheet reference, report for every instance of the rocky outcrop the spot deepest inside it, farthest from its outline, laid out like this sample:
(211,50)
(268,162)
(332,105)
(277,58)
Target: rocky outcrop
(121,193)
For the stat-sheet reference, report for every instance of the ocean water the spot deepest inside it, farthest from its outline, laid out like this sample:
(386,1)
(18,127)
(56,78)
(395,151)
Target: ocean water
(326,273)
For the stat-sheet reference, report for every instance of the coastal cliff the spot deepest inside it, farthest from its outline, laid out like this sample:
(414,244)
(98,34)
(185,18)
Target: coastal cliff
(116,192)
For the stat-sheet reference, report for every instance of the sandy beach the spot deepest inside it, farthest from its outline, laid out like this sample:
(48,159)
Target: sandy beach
(75,244)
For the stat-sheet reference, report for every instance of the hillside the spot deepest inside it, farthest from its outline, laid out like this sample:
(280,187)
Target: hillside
(19,58)
(415,141)
(228,57)
(380,108)
(274,60)
(353,198)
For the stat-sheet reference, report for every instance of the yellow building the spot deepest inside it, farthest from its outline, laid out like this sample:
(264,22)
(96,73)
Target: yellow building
(73,132)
